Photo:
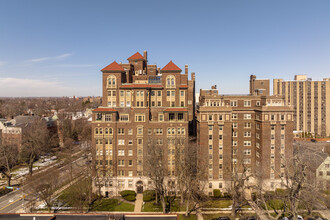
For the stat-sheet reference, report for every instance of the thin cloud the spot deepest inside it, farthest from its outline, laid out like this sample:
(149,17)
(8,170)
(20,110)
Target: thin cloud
(2,63)
(37,60)
(18,87)
(27,83)
(76,65)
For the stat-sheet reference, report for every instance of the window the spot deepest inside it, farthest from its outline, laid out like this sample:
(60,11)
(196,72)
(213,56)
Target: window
(247,134)
(139,130)
(99,116)
(108,117)
(272,117)
(111,81)
(220,117)
(171,116)
(123,117)
(247,116)
(234,116)
(247,103)
(161,117)
(220,127)
(130,163)
(121,131)
(170,82)
(247,152)
(282,127)
(139,117)
(233,103)
(220,137)
(180,116)
(130,131)
(130,173)
(130,142)
(121,162)
(247,143)
(234,133)
(181,93)
(121,152)
(210,117)
(247,125)
(121,142)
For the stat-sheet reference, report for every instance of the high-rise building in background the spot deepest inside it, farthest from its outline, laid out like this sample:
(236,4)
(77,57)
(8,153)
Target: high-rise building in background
(310,100)
(244,133)
(141,102)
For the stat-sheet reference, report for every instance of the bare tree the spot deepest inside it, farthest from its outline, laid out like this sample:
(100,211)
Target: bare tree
(239,186)
(298,188)
(190,179)
(80,194)
(34,143)
(156,170)
(8,159)
(43,186)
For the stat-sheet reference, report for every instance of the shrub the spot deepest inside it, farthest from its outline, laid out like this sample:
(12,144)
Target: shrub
(281,192)
(127,193)
(216,193)
(226,195)
(130,198)
(149,195)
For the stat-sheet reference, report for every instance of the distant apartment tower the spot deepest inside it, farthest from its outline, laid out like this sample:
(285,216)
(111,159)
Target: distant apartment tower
(237,132)
(311,102)
(141,102)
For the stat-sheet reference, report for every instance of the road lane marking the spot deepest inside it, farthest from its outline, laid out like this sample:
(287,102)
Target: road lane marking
(11,203)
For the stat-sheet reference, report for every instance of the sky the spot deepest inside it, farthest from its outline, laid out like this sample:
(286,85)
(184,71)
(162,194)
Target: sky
(57,48)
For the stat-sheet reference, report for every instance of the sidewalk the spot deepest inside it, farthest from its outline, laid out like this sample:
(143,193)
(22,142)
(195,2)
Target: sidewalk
(138,202)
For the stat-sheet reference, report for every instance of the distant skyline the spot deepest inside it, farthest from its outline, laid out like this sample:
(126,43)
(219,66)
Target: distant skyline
(57,48)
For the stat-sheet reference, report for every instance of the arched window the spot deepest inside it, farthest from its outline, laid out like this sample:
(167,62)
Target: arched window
(101,130)
(106,131)
(170,81)
(111,81)
(96,131)
(110,130)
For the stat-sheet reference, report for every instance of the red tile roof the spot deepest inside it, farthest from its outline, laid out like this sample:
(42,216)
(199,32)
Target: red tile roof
(104,110)
(113,67)
(171,67)
(141,86)
(183,86)
(136,56)
(176,110)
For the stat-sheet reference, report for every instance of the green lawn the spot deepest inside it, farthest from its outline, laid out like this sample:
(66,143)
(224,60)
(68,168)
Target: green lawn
(218,204)
(152,207)
(112,205)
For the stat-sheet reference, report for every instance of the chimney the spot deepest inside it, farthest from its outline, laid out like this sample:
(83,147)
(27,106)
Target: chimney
(193,76)
(186,69)
(145,55)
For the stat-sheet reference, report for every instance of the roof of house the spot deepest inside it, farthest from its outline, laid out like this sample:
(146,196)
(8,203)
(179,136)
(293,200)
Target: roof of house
(113,67)
(171,67)
(136,56)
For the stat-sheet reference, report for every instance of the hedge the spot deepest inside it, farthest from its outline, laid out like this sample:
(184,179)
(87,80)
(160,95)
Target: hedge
(149,195)
(216,193)
(127,193)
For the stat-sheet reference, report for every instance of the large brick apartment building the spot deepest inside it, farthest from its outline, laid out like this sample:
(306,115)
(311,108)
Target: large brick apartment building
(250,132)
(141,102)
